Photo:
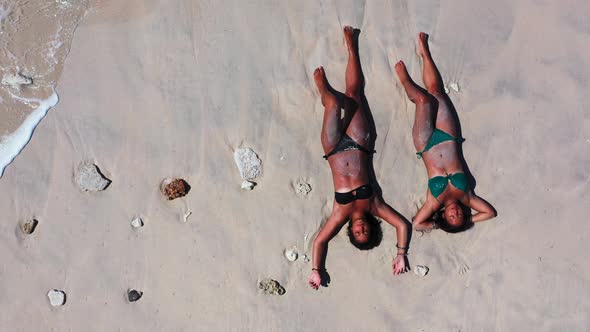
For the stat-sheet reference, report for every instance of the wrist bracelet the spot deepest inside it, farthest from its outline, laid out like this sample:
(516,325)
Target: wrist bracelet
(406,254)
(319,270)
(397,246)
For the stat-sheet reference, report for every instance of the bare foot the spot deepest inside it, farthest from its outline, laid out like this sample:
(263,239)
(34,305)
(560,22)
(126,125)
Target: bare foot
(328,99)
(350,38)
(423,49)
(402,72)
(414,92)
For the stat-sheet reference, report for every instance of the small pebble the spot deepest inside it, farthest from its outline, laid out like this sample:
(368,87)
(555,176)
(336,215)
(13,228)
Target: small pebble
(29,226)
(175,188)
(447,90)
(271,287)
(134,295)
(56,297)
(305,258)
(455,87)
(137,222)
(421,270)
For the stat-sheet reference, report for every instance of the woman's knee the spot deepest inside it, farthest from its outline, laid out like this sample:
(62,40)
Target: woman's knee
(353,93)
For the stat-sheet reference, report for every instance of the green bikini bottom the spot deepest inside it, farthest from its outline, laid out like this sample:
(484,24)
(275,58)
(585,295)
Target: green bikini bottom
(438,136)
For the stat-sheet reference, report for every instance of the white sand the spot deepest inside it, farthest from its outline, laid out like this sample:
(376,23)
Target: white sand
(155,89)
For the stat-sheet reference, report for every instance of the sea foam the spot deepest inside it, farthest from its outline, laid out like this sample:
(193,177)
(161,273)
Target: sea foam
(11,145)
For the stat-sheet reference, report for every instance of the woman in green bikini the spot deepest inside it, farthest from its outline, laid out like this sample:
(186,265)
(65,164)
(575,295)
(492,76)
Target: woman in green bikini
(449,199)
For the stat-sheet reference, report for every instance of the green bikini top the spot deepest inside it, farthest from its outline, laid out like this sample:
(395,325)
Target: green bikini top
(438,136)
(438,184)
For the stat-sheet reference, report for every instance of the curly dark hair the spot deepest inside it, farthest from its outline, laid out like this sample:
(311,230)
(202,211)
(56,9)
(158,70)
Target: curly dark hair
(375,233)
(441,222)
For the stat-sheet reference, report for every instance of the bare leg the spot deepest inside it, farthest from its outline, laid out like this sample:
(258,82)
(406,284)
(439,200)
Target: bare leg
(434,84)
(332,124)
(358,127)
(425,107)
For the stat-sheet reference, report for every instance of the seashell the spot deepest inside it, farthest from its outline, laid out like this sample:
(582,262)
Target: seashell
(291,254)
(56,297)
(421,270)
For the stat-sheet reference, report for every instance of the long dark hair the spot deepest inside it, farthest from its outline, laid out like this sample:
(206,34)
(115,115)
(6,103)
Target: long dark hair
(375,233)
(440,221)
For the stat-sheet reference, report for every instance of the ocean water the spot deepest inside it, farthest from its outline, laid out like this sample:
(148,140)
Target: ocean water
(35,38)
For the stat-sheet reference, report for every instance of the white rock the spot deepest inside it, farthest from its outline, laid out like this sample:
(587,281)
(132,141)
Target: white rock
(447,90)
(249,165)
(89,178)
(16,80)
(56,297)
(137,222)
(291,254)
(455,87)
(421,270)
(248,185)
(305,258)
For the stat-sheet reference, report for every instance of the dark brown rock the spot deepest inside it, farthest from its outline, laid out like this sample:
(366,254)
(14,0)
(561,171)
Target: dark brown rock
(175,188)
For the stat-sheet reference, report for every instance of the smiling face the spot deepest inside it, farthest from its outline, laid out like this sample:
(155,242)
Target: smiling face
(361,230)
(454,215)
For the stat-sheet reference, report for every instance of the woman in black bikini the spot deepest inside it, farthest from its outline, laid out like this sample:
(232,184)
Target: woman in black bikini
(345,142)
(449,198)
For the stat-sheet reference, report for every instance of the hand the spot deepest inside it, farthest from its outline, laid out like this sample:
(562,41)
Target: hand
(399,264)
(315,279)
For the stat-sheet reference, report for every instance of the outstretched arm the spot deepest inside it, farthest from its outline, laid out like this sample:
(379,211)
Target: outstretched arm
(423,219)
(485,210)
(320,244)
(402,228)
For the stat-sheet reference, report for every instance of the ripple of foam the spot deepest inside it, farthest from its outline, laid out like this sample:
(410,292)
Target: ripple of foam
(4,12)
(11,145)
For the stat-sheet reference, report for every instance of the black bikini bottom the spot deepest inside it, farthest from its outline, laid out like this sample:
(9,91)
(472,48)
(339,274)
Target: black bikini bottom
(362,192)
